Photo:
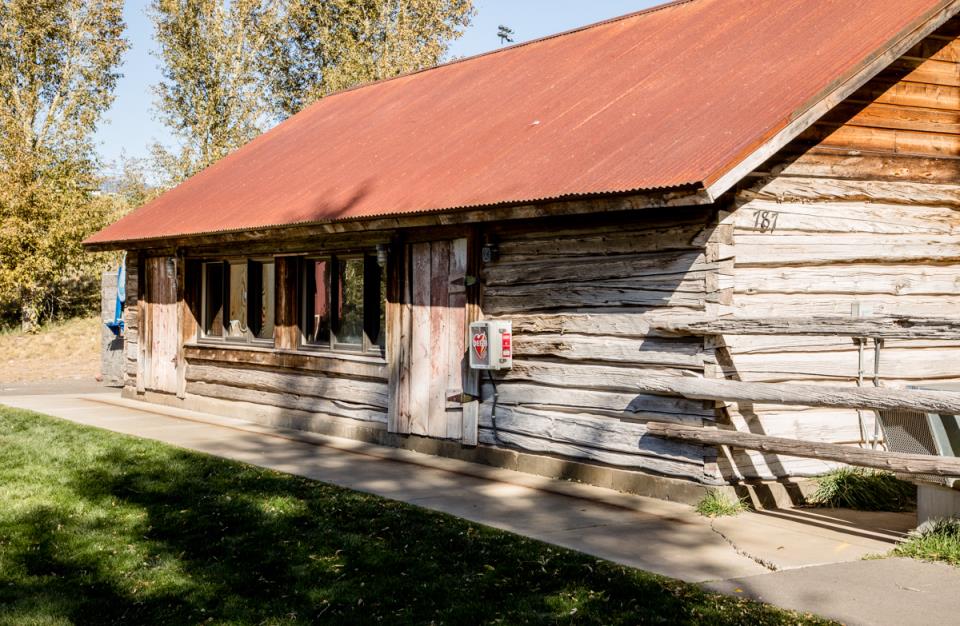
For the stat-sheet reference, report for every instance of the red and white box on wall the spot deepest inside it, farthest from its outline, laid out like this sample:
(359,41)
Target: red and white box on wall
(491,345)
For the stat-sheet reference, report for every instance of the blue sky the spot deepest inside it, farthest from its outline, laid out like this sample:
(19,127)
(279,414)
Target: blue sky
(130,126)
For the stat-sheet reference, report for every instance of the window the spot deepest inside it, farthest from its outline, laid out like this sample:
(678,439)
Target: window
(238,300)
(316,323)
(348,322)
(213,299)
(344,304)
(237,323)
(262,286)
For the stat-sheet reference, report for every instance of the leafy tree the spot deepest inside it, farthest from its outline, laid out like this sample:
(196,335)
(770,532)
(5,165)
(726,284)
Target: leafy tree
(321,46)
(230,67)
(58,70)
(211,95)
(130,187)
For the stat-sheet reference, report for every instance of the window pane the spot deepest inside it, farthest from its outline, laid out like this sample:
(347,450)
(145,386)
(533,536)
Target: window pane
(317,322)
(213,300)
(375,304)
(237,305)
(349,329)
(261,304)
(382,333)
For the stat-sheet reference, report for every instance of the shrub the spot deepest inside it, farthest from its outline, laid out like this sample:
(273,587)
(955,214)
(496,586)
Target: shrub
(864,490)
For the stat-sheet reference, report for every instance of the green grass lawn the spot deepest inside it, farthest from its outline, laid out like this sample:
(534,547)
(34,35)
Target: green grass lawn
(102,528)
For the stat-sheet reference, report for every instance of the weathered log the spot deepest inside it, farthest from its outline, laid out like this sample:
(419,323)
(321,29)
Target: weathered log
(330,364)
(306,404)
(891,279)
(603,433)
(852,137)
(362,392)
(584,375)
(891,461)
(642,270)
(815,220)
(884,327)
(911,366)
(837,304)
(619,239)
(834,163)
(633,405)
(664,466)
(876,398)
(579,296)
(807,251)
(651,351)
(788,189)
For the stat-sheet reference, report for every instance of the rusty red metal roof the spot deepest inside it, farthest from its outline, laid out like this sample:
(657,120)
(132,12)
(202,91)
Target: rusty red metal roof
(672,96)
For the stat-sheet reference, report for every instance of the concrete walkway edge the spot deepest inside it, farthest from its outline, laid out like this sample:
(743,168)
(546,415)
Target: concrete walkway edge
(582,491)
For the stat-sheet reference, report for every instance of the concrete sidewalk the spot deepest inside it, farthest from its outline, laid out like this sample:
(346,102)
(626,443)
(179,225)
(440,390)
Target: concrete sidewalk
(898,592)
(738,554)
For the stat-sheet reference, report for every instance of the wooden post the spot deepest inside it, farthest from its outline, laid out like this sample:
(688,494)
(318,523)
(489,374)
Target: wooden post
(398,317)
(471,381)
(287,329)
(891,461)
(189,275)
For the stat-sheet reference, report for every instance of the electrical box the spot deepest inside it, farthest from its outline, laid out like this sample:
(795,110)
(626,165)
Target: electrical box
(491,345)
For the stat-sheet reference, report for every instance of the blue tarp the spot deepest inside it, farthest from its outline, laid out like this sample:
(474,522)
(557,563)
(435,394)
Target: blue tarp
(116,325)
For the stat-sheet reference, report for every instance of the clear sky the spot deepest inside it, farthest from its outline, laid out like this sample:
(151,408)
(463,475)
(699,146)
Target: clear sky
(130,126)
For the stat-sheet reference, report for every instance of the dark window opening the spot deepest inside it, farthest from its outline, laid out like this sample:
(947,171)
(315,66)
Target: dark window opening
(261,289)
(213,299)
(344,304)
(317,315)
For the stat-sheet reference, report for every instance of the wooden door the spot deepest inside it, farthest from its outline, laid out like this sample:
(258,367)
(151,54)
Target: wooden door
(160,333)
(430,396)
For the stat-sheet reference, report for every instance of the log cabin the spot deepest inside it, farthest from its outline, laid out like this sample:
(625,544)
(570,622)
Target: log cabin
(721,165)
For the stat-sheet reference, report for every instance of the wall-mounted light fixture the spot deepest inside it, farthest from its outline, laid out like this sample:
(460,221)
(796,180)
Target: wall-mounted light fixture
(383,253)
(490,252)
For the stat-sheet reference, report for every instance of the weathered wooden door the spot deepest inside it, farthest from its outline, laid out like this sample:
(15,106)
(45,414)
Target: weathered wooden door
(159,329)
(433,374)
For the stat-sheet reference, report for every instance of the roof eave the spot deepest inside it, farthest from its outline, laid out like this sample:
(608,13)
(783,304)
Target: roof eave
(833,94)
(682,195)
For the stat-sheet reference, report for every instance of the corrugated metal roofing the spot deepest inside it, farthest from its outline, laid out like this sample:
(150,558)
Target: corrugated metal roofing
(671,96)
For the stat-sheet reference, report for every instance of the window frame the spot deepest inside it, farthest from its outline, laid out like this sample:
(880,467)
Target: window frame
(369,345)
(249,338)
(253,339)
(202,334)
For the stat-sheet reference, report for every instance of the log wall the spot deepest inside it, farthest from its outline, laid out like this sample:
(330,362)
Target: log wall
(860,212)
(581,296)
(327,386)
